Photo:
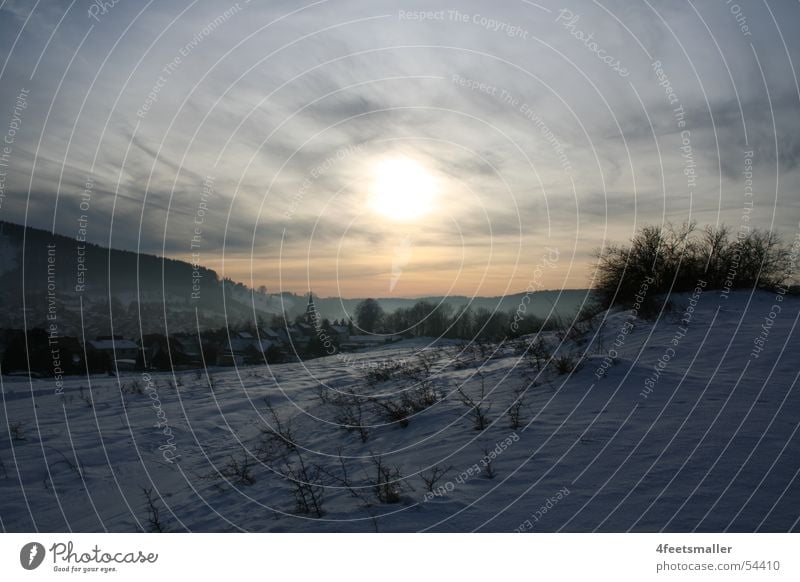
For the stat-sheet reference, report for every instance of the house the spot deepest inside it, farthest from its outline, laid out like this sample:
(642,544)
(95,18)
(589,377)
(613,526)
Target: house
(278,336)
(341,333)
(301,334)
(177,352)
(243,349)
(111,352)
(71,354)
(190,349)
(37,353)
(356,342)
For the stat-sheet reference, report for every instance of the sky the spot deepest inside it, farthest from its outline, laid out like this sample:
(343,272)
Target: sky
(396,149)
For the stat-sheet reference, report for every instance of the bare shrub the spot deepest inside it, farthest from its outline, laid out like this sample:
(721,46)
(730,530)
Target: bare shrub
(17,430)
(479,406)
(432,478)
(135,387)
(387,484)
(75,466)
(324,394)
(420,397)
(673,259)
(566,364)
(154,523)
(278,435)
(539,354)
(392,411)
(240,472)
(488,468)
(423,364)
(515,410)
(279,445)
(350,413)
(307,486)
(384,372)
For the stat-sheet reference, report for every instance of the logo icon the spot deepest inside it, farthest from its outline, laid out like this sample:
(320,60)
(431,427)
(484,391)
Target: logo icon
(31,555)
(401,258)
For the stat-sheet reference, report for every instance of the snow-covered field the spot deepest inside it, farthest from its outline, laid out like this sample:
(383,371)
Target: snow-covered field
(706,440)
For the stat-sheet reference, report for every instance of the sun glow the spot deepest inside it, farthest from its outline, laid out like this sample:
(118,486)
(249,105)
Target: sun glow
(402,189)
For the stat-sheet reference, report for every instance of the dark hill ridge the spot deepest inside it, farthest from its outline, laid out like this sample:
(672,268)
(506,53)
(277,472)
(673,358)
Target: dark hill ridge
(83,267)
(56,274)
(542,303)
(61,273)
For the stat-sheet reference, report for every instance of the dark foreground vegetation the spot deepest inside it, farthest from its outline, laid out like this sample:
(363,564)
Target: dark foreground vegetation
(669,259)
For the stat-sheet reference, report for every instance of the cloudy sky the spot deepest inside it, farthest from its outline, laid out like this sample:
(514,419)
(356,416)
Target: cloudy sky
(396,148)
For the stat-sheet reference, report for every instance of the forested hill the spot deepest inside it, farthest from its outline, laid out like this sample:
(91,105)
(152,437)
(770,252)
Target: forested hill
(55,274)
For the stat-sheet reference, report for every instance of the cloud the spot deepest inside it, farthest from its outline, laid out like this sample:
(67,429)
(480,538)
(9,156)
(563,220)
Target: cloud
(287,108)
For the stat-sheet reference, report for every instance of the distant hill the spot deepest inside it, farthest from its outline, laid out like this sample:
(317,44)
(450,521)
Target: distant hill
(56,274)
(542,303)
(144,293)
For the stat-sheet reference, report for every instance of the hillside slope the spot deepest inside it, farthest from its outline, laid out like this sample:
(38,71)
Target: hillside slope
(705,441)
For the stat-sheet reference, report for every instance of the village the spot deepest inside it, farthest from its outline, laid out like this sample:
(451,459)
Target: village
(39,354)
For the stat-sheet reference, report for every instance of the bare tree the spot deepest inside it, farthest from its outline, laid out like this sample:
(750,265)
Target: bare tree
(17,430)
(350,413)
(153,515)
(387,484)
(432,478)
(515,410)
(488,468)
(479,407)
(307,486)
(240,472)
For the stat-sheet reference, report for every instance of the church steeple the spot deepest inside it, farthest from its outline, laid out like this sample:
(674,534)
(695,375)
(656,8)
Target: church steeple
(311,310)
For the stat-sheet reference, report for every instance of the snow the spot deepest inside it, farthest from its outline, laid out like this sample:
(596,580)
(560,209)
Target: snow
(713,445)
(119,344)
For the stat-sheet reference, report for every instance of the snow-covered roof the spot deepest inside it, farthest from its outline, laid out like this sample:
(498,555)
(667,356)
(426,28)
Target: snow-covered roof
(243,345)
(120,344)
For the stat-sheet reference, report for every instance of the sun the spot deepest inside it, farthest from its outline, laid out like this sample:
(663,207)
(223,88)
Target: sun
(402,189)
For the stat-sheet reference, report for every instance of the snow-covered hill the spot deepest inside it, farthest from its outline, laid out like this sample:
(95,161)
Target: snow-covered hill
(691,425)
